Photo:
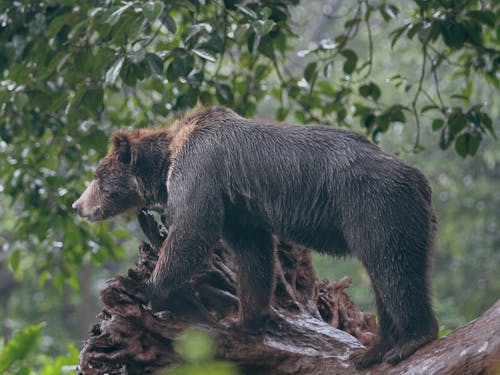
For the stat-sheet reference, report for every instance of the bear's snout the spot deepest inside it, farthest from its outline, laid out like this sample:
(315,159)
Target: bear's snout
(91,213)
(87,206)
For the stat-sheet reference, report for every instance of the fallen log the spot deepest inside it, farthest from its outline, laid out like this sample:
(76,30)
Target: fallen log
(316,328)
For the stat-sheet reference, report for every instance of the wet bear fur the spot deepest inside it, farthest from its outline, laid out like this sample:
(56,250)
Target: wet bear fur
(217,175)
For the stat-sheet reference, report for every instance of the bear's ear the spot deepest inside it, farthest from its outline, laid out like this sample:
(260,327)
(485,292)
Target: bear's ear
(122,146)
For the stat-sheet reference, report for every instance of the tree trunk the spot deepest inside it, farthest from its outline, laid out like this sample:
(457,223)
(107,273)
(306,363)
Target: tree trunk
(315,330)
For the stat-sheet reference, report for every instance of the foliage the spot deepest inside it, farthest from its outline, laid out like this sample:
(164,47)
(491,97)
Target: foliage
(14,357)
(19,347)
(63,364)
(468,202)
(197,350)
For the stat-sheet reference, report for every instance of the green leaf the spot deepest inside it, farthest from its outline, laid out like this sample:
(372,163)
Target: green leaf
(389,12)
(251,38)
(352,22)
(310,72)
(114,71)
(371,90)
(230,4)
(351,60)
(263,27)
(266,12)
(214,44)
(361,110)
(45,275)
(247,11)
(396,113)
(486,17)
(127,73)
(153,10)
(453,34)
(187,100)
(174,70)
(474,142)
(300,116)
(136,57)
(181,66)
(15,259)
(20,346)
(204,54)
(486,121)
(473,32)
(383,123)
(170,23)
(205,98)
(241,33)
(58,102)
(114,17)
(369,120)
(195,31)
(262,71)
(396,34)
(224,94)
(155,63)
(456,122)
(437,124)
(282,113)
(413,29)
(467,144)
(461,97)
(93,99)
(266,47)
(57,23)
(326,88)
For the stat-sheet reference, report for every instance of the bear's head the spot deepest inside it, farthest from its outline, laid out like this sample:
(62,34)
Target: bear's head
(125,179)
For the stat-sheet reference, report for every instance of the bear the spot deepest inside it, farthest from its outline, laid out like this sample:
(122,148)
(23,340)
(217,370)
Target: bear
(218,176)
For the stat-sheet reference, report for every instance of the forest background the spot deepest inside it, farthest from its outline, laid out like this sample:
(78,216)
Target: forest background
(418,77)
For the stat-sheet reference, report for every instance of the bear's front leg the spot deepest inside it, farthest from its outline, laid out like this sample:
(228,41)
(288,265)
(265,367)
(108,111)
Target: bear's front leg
(181,254)
(254,249)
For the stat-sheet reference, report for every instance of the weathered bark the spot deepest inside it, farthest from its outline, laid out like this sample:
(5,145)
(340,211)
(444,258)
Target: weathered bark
(315,330)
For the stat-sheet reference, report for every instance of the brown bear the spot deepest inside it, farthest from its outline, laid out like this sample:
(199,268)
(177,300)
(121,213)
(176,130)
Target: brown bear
(218,176)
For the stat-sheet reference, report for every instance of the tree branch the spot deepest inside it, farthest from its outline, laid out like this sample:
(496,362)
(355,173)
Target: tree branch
(417,94)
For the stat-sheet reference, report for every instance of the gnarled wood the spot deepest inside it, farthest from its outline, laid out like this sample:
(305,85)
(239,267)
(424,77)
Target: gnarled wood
(315,330)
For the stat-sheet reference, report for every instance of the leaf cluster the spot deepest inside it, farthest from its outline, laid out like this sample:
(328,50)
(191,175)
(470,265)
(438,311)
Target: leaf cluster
(74,71)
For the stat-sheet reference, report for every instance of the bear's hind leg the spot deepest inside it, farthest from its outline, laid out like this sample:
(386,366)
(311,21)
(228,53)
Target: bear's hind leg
(415,321)
(407,321)
(385,340)
(254,249)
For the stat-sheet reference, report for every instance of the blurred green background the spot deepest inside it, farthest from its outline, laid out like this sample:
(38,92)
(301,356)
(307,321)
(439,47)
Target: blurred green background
(418,77)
